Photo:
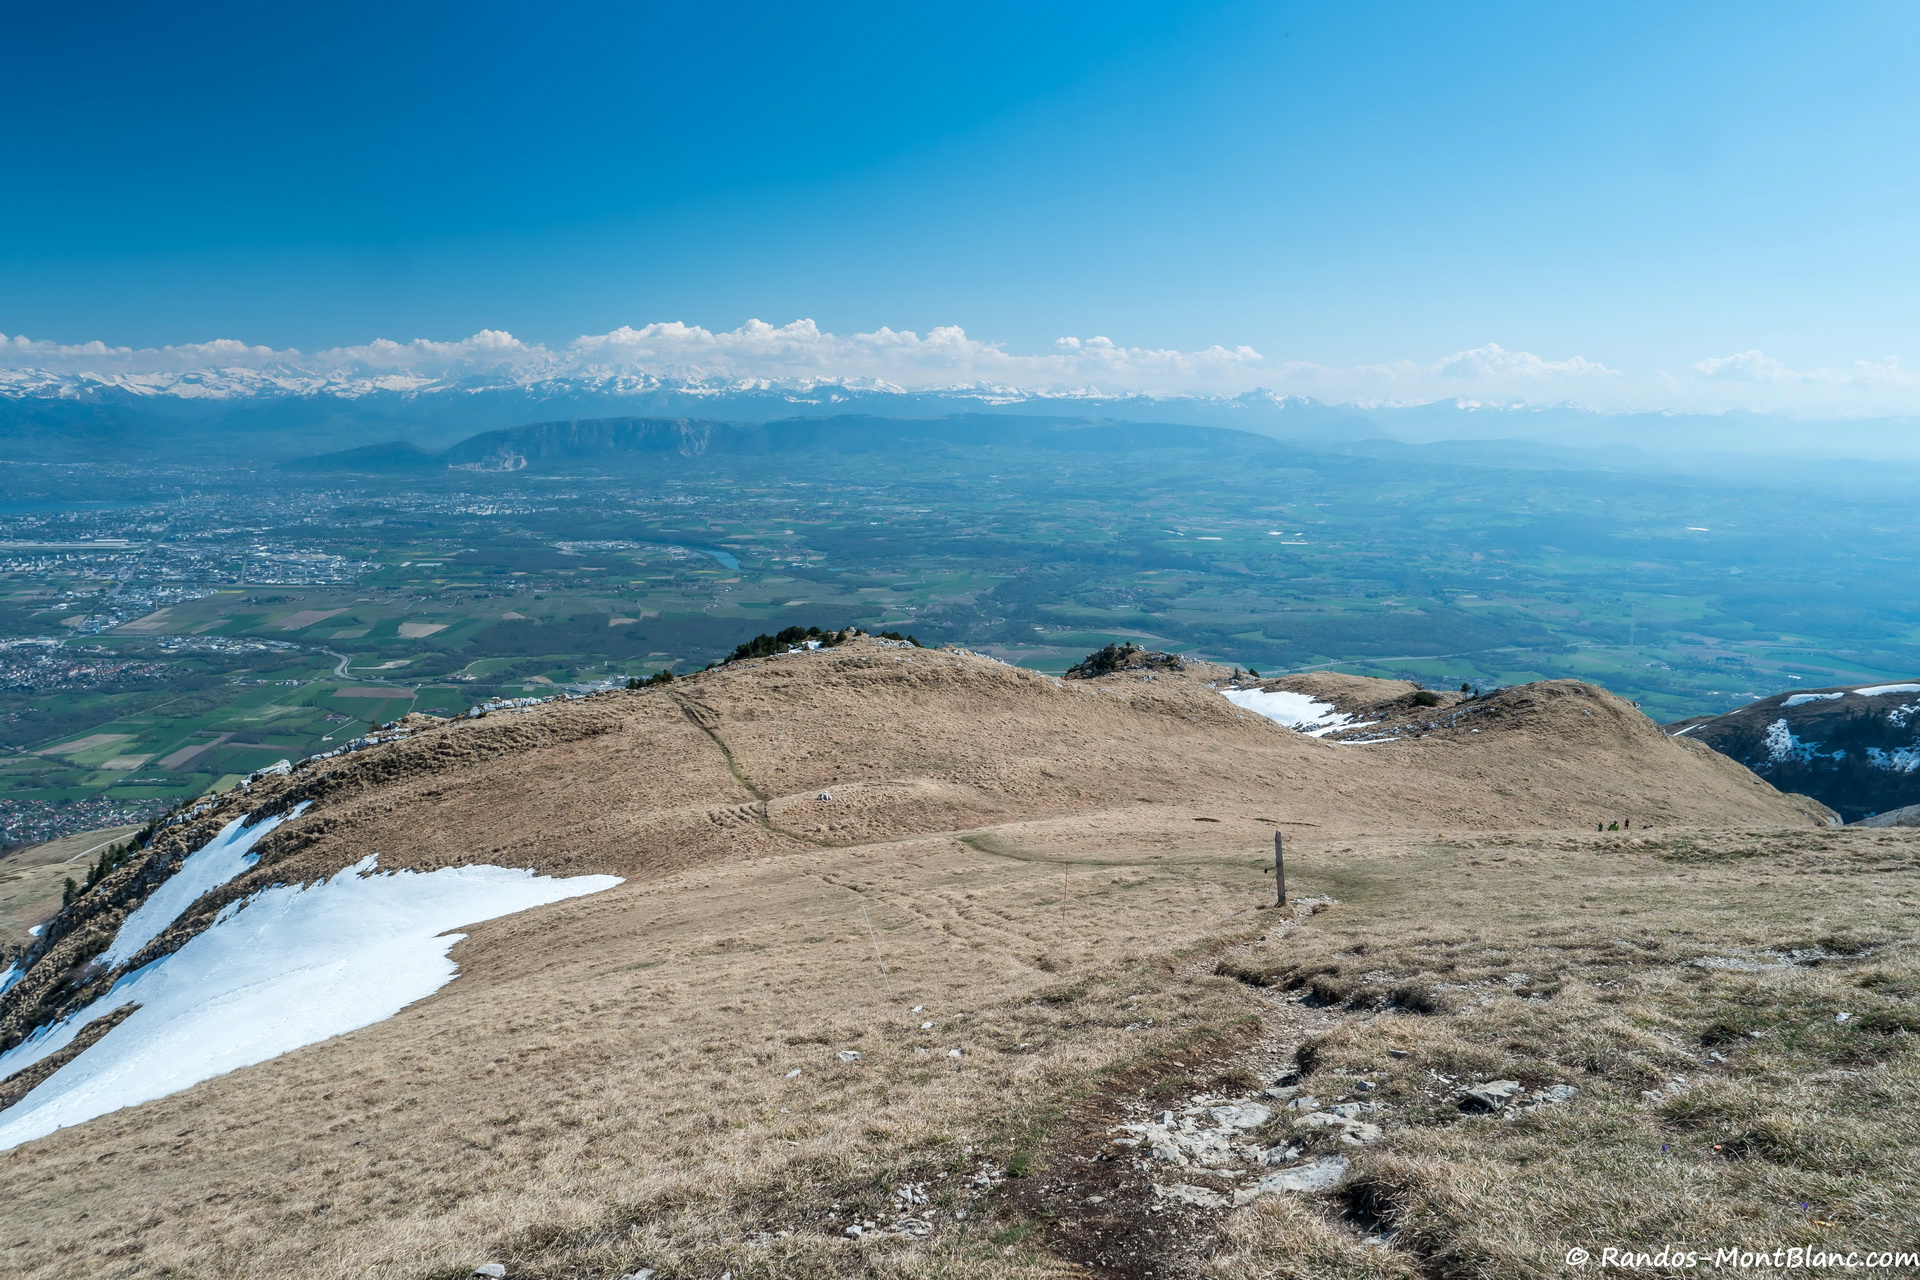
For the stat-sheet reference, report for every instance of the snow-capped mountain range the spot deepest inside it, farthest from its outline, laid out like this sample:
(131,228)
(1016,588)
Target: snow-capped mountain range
(279,380)
(85,401)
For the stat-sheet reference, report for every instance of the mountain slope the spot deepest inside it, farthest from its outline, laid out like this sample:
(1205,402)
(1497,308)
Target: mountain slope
(634,440)
(258,414)
(821,852)
(1854,747)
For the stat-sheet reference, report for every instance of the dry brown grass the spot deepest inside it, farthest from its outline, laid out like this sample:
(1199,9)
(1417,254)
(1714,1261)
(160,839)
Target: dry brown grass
(622,1098)
(31,879)
(1771,1121)
(605,1084)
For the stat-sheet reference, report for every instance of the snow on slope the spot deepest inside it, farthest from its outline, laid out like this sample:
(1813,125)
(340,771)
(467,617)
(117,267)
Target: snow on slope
(208,867)
(1295,710)
(287,967)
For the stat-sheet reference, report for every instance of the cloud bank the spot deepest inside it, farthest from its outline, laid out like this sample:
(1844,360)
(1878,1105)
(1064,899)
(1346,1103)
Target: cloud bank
(758,353)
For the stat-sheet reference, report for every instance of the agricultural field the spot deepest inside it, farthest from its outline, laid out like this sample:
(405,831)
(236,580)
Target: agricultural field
(168,640)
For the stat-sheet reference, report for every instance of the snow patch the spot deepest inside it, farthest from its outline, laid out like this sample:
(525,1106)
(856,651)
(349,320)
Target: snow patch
(205,869)
(1899,760)
(1295,710)
(7,979)
(1875,690)
(1800,699)
(289,966)
(1782,746)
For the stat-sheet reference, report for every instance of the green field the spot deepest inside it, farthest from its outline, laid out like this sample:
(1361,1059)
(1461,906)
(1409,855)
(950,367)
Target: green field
(1686,594)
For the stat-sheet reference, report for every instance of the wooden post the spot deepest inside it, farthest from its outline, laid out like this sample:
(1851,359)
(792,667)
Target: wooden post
(1280,869)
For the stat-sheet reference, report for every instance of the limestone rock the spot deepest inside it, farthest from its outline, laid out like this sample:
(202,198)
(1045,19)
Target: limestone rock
(1492,1096)
(1315,1175)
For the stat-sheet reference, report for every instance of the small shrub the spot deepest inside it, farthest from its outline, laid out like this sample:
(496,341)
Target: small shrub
(765,646)
(1732,1026)
(1713,1105)
(1889,1022)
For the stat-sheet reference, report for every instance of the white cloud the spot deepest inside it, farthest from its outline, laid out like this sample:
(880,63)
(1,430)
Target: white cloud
(1495,361)
(756,350)
(945,356)
(1488,373)
(1754,366)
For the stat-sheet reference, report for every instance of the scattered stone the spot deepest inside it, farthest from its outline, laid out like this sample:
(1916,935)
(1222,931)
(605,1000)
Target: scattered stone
(1280,1092)
(1315,1175)
(1396,1053)
(1245,1115)
(1841,1017)
(848,1055)
(1186,1193)
(1557,1094)
(1494,1095)
(644,1273)
(791,1074)
(1364,1086)
(953,1053)
(494,1270)
(1305,1102)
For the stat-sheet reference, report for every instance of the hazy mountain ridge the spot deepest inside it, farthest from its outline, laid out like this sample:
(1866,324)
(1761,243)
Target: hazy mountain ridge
(604,439)
(258,414)
(282,411)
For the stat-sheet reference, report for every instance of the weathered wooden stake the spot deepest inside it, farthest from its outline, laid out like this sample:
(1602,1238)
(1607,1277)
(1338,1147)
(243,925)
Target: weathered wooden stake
(885,978)
(1280,868)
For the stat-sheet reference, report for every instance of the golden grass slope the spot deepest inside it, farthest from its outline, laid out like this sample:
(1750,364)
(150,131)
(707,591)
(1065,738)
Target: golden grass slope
(1049,869)
(733,764)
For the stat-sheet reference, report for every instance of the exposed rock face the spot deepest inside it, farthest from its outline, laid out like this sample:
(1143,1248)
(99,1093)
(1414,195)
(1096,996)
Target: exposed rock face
(1123,657)
(1855,748)
(1906,817)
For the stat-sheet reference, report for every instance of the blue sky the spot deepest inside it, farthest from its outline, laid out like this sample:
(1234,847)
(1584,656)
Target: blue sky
(1695,200)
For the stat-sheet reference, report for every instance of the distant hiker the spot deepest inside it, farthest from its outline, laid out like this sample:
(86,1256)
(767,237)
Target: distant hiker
(1629,825)
(1613,826)
(1599,826)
